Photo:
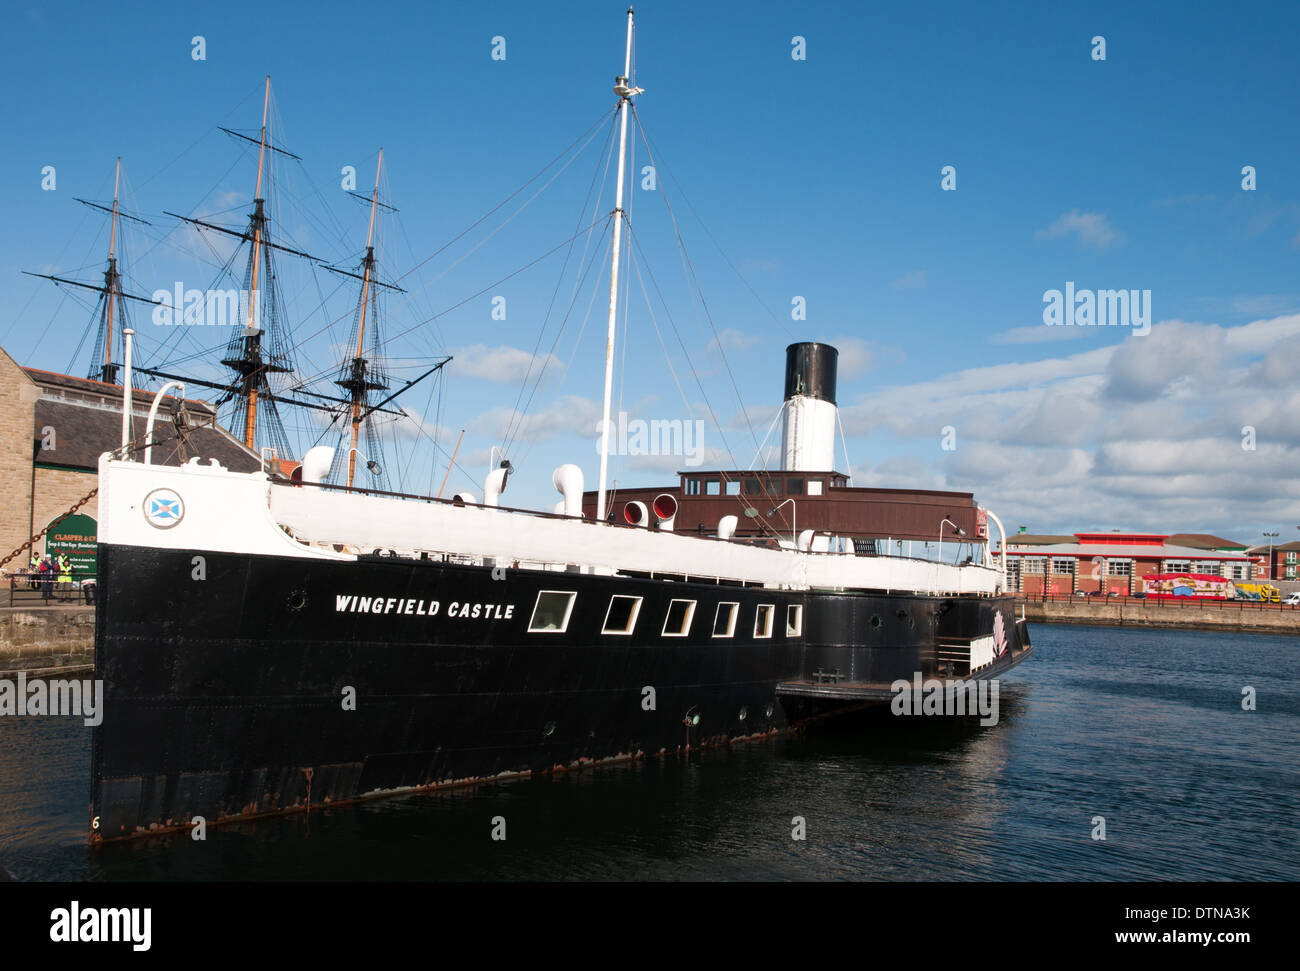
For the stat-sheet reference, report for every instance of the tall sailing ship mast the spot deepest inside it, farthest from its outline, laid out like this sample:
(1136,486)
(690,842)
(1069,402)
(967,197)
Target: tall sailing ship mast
(625,92)
(260,350)
(359,375)
(111,304)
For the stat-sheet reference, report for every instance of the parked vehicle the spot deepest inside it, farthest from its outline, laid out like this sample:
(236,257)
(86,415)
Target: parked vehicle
(1258,592)
(1293,600)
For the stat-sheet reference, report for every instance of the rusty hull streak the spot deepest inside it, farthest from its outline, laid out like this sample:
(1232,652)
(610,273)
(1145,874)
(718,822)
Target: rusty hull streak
(304,807)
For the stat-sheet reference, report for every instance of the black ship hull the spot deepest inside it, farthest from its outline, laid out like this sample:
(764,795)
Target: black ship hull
(240,685)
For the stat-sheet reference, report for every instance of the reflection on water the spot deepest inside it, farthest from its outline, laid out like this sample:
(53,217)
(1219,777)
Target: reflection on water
(1144,728)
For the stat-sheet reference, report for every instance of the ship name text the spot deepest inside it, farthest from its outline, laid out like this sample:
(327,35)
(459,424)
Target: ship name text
(355,604)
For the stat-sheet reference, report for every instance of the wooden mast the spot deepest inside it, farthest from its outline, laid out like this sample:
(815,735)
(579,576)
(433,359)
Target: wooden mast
(361,330)
(251,380)
(111,280)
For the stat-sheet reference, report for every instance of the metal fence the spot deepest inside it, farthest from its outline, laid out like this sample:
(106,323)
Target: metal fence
(1173,603)
(35,590)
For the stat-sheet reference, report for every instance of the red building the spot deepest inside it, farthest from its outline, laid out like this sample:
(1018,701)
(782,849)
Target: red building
(1111,562)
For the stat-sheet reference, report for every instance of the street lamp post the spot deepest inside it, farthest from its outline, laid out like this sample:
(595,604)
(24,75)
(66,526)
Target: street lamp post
(958,529)
(1269,567)
(794,518)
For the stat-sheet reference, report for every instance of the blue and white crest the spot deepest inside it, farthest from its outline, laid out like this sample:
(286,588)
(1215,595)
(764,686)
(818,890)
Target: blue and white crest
(163,508)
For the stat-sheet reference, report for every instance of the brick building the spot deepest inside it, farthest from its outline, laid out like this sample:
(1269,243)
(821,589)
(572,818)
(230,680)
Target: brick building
(1285,563)
(53,428)
(1116,562)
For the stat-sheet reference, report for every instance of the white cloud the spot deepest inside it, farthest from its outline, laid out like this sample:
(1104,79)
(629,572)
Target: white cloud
(508,365)
(734,340)
(1039,335)
(857,357)
(568,414)
(1145,433)
(1091,229)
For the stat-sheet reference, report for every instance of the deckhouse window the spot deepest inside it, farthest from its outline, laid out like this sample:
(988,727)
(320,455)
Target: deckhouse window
(794,486)
(551,612)
(724,621)
(678,621)
(712,487)
(620,618)
(692,487)
(752,486)
(763,621)
(733,487)
(794,620)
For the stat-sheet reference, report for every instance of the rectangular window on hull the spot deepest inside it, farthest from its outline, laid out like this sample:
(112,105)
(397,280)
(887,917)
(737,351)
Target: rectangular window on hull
(763,621)
(724,621)
(551,612)
(793,620)
(620,618)
(678,621)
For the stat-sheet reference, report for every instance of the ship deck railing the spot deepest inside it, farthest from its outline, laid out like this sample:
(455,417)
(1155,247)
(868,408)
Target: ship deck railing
(541,514)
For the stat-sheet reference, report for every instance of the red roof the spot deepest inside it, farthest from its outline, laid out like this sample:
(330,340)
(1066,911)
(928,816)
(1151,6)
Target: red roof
(1130,539)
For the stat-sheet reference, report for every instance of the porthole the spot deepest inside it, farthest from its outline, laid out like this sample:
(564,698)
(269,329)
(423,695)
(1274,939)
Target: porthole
(769,710)
(744,713)
(875,621)
(297,600)
(548,729)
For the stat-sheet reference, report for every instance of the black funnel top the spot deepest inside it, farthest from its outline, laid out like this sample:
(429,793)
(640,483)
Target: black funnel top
(810,370)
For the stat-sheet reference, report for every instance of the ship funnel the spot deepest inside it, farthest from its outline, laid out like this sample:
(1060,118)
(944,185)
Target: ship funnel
(808,435)
(567,480)
(727,527)
(495,484)
(665,510)
(316,463)
(636,514)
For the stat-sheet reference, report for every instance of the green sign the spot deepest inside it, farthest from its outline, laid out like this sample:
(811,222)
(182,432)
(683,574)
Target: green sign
(75,538)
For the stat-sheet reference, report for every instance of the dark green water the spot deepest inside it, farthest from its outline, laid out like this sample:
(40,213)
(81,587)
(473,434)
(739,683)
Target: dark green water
(1144,728)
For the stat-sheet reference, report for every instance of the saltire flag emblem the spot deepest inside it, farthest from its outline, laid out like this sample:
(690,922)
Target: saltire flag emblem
(163,508)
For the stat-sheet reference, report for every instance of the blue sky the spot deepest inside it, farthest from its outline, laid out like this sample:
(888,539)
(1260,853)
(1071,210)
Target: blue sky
(818,178)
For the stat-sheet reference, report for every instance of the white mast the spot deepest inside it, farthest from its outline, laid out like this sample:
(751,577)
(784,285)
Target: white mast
(625,95)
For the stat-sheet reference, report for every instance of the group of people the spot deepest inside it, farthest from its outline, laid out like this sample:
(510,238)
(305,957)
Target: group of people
(44,572)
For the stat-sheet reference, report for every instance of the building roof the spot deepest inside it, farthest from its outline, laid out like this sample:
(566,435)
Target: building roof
(79,431)
(78,419)
(1284,547)
(1165,552)
(1204,541)
(1036,539)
